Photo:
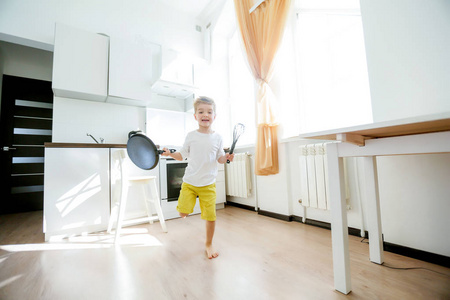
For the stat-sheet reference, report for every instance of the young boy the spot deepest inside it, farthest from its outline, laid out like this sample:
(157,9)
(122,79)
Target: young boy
(203,148)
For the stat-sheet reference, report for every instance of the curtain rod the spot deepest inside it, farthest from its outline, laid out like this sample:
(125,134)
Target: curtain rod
(258,3)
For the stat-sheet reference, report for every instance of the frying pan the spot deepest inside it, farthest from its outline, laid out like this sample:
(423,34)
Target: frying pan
(142,151)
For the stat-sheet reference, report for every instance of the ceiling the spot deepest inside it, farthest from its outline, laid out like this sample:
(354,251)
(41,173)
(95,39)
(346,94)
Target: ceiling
(193,7)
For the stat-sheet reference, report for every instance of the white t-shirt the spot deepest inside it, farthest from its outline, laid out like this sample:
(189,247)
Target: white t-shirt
(202,151)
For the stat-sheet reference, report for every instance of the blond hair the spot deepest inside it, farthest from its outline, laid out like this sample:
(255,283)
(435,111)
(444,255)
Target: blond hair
(205,100)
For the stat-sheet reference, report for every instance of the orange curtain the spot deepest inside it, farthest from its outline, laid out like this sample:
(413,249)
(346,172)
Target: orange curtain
(261,33)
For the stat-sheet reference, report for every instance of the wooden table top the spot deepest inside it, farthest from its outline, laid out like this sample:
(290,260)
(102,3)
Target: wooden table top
(408,126)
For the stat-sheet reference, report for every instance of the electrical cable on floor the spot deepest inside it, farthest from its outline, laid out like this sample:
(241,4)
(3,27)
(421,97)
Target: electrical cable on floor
(411,268)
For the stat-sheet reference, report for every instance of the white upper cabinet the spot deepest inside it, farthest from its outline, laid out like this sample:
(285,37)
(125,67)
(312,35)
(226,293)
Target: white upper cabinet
(177,78)
(133,68)
(80,64)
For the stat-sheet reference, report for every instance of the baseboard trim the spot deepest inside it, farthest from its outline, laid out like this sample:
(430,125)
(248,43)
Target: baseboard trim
(433,258)
(274,215)
(296,219)
(243,206)
(351,230)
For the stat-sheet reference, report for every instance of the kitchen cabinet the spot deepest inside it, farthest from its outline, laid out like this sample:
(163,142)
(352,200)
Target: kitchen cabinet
(81,183)
(220,186)
(76,191)
(174,89)
(177,68)
(177,77)
(133,68)
(80,64)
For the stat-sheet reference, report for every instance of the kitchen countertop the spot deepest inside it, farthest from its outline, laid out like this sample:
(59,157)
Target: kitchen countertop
(83,145)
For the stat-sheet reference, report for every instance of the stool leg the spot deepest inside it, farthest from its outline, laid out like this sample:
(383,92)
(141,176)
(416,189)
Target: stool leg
(113,216)
(147,199)
(157,204)
(122,206)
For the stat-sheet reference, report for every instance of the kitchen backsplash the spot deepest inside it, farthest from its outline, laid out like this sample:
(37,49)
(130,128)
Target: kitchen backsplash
(73,119)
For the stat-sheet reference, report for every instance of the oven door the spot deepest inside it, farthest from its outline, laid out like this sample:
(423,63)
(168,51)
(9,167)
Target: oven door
(171,178)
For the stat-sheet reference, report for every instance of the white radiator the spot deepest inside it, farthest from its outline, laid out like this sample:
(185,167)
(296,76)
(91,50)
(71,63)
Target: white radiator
(314,176)
(238,175)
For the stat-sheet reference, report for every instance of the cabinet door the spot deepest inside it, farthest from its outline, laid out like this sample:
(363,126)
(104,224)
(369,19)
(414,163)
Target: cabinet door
(132,71)
(80,64)
(220,184)
(76,190)
(220,191)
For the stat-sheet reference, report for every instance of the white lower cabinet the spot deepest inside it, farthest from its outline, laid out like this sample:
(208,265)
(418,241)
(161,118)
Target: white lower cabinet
(80,187)
(76,191)
(220,186)
(82,184)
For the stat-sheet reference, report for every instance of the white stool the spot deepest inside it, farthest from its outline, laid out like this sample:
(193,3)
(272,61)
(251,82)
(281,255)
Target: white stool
(150,196)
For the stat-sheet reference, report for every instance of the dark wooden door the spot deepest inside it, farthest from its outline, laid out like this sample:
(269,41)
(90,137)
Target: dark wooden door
(25,125)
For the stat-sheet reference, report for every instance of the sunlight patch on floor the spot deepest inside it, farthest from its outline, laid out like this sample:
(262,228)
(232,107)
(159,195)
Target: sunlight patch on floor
(135,237)
(9,280)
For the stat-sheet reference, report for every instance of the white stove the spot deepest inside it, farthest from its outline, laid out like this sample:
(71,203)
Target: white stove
(171,173)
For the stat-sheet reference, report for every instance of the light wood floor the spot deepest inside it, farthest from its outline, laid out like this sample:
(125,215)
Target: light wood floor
(260,258)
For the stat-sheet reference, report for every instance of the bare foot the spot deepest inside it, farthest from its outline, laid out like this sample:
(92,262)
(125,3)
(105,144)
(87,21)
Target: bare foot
(211,252)
(183,215)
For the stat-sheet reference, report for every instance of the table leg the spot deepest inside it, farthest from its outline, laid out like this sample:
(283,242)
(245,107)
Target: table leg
(373,210)
(339,228)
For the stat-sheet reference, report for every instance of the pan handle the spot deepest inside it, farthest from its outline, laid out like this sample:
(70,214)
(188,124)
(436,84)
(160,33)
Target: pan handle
(131,133)
(171,151)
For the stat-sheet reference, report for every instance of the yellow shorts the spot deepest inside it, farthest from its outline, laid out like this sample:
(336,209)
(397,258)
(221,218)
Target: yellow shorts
(206,196)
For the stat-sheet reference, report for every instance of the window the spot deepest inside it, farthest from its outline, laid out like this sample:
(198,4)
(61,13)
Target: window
(320,75)
(242,91)
(333,80)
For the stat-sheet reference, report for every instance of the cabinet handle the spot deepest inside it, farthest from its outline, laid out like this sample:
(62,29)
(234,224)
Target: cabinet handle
(6,148)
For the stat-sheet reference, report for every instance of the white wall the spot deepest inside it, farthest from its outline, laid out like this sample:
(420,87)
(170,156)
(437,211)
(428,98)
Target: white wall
(415,201)
(140,21)
(269,193)
(26,62)
(273,192)
(20,61)
(73,119)
(407,49)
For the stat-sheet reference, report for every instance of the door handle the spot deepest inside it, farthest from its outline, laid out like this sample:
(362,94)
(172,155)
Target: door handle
(6,148)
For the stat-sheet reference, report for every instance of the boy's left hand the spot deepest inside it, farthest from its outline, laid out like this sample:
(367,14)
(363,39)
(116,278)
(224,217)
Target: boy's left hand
(166,152)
